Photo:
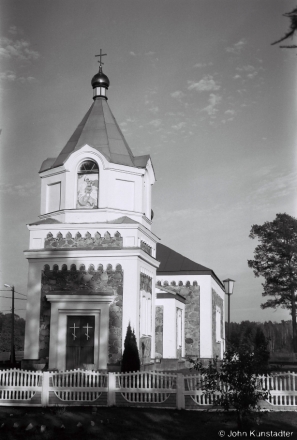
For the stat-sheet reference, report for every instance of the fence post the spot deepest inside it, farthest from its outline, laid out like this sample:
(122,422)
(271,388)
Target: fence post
(111,389)
(45,389)
(180,391)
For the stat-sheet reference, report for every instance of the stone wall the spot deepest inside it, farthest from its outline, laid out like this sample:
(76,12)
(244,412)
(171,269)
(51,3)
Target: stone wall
(192,321)
(98,281)
(145,343)
(217,302)
(159,331)
(145,349)
(115,327)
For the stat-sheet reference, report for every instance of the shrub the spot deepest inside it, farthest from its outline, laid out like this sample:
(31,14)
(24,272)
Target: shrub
(130,359)
(235,384)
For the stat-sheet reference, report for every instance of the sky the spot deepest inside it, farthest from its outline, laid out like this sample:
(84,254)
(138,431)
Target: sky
(194,83)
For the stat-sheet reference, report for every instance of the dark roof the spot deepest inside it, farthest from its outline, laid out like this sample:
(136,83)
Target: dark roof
(100,130)
(173,263)
(170,295)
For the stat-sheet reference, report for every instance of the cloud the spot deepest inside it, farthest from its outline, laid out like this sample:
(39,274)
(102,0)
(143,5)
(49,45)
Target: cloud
(177,95)
(278,186)
(237,47)
(155,123)
(150,53)
(206,84)
(19,49)
(269,186)
(133,54)
(249,70)
(203,64)
(9,75)
(236,76)
(230,116)
(178,126)
(213,100)
(13,30)
(154,109)
(148,97)
(20,190)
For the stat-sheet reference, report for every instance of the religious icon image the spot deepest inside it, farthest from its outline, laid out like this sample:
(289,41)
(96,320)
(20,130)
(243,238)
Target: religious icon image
(87,191)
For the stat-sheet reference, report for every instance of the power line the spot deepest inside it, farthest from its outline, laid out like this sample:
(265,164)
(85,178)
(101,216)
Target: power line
(20,299)
(14,292)
(20,293)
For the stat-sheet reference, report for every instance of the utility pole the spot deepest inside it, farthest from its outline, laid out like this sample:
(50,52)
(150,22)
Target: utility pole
(12,352)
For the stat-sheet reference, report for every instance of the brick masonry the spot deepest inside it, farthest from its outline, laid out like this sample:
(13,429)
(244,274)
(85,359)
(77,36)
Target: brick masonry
(216,302)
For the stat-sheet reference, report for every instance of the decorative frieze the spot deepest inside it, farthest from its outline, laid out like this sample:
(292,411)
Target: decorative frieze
(145,283)
(78,241)
(145,247)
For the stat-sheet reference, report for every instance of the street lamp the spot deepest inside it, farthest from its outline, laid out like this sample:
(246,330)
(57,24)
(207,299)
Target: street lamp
(229,285)
(12,352)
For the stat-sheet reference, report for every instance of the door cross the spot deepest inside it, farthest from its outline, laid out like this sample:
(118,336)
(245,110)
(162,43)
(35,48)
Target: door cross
(87,334)
(73,334)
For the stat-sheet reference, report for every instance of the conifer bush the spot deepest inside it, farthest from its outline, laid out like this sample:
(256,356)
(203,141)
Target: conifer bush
(130,359)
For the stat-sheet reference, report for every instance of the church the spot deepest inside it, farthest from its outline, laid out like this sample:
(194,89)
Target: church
(95,264)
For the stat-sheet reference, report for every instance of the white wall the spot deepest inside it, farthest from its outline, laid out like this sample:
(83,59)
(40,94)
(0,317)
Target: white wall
(206,283)
(131,293)
(170,306)
(120,187)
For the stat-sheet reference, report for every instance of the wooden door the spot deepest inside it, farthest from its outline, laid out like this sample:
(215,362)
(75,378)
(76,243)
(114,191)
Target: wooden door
(79,341)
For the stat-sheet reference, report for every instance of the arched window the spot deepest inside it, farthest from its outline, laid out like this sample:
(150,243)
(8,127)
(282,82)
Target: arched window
(87,185)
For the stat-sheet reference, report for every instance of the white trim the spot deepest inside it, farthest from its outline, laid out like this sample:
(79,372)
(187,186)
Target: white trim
(64,305)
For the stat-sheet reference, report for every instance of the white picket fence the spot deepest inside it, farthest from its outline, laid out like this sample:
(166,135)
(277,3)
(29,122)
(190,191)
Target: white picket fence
(148,388)
(18,385)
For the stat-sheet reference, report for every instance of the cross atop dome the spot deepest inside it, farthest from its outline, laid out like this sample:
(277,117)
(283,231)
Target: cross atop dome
(101,55)
(100,81)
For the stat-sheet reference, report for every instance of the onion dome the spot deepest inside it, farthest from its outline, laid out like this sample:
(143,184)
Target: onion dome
(100,84)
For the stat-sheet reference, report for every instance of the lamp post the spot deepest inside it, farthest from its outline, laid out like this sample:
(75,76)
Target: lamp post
(12,352)
(229,285)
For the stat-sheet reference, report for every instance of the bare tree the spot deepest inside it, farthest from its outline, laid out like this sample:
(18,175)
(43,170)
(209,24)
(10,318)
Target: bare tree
(293,28)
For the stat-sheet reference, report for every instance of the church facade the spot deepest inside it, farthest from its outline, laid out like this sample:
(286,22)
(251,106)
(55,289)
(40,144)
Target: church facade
(95,265)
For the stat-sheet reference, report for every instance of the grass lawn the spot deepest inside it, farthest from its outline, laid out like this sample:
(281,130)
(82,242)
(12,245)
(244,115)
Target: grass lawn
(137,424)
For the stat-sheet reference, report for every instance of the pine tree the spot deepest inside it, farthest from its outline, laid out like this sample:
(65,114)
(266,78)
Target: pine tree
(130,360)
(275,258)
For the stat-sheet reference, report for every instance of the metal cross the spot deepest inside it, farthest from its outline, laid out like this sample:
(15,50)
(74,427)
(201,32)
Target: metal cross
(73,334)
(87,334)
(100,56)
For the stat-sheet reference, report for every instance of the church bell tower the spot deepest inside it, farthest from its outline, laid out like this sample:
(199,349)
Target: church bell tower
(92,254)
